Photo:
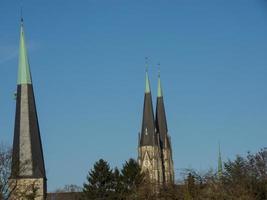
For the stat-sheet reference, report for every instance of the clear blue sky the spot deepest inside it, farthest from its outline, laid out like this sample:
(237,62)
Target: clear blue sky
(87,62)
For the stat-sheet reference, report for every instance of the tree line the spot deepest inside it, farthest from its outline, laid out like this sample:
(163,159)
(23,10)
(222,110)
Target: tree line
(243,178)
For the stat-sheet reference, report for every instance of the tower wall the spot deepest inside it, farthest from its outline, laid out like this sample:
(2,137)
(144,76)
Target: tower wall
(151,163)
(25,147)
(168,166)
(27,188)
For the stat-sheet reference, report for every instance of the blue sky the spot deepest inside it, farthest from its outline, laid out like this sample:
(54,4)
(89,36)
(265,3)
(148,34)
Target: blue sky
(87,62)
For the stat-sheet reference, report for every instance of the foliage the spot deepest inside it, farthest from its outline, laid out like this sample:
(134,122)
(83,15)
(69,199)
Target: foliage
(6,189)
(69,188)
(132,177)
(244,178)
(5,170)
(105,183)
(100,182)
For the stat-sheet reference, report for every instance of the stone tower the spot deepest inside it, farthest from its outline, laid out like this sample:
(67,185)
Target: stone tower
(149,151)
(28,175)
(165,141)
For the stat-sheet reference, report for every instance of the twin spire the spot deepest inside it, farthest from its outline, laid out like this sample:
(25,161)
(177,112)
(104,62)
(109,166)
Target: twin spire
(154,139)
(151,124)
(147,88)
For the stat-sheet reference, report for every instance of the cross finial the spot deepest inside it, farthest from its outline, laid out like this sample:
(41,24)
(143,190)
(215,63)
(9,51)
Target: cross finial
(21,16)
(146,63)
(147,90)
(159,82)
(159,69)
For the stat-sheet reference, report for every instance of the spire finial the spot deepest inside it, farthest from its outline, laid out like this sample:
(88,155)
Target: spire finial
(21,13)
(147,90)
(159,70)
(24,74)
(21,16)
(146,63)
(159,82)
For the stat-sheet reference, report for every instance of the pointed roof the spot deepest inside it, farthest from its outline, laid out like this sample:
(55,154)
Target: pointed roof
(24,74)
(161,120)
(159,86)
(220,167)
(147,89)
(27,154)
(148,134)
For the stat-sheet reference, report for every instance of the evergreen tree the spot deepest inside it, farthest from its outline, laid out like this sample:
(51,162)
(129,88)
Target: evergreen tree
(118,185)
(132,177)
(100,184)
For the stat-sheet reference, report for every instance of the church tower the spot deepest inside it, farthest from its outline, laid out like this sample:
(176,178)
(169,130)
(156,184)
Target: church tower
(165,141)
(28,177)
(149,151)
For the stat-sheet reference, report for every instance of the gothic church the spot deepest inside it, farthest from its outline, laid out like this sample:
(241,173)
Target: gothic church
(154,150)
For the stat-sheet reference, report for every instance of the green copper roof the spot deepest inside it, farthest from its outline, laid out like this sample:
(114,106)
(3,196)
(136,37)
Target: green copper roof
(147,84)
(159,87)
(24,74)
(220,167)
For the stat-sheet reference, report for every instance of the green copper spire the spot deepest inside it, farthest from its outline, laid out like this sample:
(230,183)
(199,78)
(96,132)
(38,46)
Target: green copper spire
(220,167)
(159,86)
(147,83)
(24,74)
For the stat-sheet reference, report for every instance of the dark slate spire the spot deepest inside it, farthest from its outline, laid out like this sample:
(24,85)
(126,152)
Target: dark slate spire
(27,158)
(161,121)
(148,135)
